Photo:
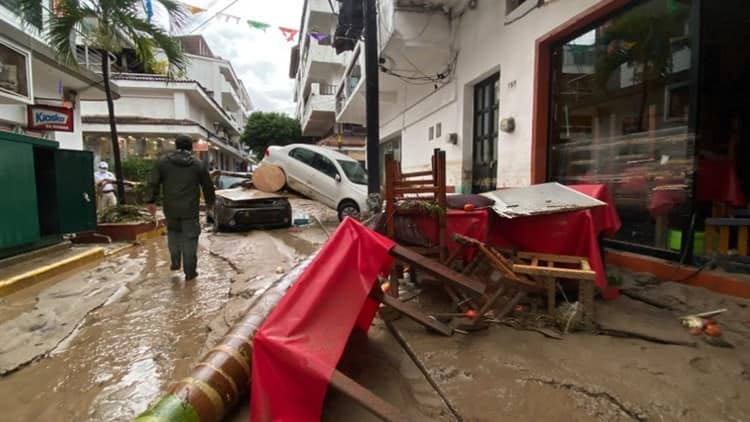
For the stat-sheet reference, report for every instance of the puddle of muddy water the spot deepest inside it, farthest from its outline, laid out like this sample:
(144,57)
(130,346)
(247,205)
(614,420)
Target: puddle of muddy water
(126,352)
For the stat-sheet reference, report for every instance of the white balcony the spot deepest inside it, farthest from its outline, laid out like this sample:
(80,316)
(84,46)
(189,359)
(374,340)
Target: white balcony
(318,114)
(350,95)
(414,43)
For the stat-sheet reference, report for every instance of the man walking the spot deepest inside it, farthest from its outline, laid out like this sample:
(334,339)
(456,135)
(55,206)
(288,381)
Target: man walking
(182,176)
(105,188)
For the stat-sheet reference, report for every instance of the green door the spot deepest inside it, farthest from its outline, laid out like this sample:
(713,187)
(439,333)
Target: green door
(19,219)
(75,191)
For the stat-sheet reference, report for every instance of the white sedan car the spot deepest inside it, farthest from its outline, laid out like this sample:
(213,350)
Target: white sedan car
(327,176)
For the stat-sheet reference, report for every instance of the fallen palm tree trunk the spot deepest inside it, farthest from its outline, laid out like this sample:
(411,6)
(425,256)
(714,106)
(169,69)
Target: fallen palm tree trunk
(217,381)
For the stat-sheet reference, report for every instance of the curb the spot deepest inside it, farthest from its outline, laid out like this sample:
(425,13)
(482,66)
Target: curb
(18,282)
(151,234)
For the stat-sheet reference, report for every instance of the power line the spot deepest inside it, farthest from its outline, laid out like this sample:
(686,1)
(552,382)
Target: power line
(205,22)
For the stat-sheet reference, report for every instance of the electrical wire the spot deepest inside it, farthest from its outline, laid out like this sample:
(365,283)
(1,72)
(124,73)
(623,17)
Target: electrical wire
(205,22)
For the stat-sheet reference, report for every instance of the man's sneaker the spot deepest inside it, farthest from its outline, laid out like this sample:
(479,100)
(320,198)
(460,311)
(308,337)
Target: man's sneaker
(192,276)
(174,267)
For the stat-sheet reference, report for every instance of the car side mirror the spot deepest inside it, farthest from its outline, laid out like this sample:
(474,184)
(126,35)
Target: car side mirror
(337,178)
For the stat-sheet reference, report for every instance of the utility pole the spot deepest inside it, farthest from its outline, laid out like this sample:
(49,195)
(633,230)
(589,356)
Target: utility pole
(372,104)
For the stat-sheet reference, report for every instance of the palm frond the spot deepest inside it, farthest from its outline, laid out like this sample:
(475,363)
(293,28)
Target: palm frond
(177,12)
(63,26)
(145,36)
(30,11)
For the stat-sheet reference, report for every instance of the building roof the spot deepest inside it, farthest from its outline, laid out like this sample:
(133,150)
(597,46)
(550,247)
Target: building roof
(196,44)
(346,141)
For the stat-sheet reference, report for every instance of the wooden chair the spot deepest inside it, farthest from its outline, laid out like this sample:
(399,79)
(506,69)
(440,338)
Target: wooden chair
(426,187)
(509,280)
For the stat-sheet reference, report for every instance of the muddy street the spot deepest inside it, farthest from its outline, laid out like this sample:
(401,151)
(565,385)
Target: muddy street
(103,343)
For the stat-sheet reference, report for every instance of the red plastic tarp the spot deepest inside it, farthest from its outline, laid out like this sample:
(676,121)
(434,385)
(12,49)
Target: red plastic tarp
(568,233)
(298,346)
(718,181)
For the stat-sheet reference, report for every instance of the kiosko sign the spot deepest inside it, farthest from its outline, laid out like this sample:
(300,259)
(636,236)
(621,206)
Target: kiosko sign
(50,118)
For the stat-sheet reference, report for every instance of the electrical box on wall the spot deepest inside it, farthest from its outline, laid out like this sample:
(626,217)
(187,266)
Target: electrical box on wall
(453,138)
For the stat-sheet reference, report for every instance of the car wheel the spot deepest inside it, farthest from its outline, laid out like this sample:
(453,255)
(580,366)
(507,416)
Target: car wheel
(348,209)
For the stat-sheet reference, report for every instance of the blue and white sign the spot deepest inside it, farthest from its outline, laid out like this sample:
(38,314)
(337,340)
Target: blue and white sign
(50,118)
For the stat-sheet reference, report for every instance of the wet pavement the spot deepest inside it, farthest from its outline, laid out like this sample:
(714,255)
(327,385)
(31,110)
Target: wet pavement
(125,352)
(104,343)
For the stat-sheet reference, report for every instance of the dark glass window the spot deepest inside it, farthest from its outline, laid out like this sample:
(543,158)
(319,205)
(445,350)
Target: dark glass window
(304,155)
(324,165)
(13,72)
(620,106)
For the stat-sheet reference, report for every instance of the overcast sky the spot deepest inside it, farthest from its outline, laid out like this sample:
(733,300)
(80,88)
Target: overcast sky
(260,59)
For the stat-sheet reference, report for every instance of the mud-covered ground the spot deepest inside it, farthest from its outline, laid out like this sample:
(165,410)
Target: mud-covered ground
(103,343)
(106,342)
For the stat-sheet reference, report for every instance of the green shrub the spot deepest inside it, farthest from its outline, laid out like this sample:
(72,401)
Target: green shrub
(137,170)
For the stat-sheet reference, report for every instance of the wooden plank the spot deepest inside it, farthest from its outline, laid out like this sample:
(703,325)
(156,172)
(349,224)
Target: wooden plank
(585,265)
(487,305)
(366,398)
(549,284)
(712,240)
(555,272)
(734,222)
(411,311)
(400,191)
(508,308)
(568,259)
(416,174)
(436,269)
(421,182)
(723,240)
(742,241)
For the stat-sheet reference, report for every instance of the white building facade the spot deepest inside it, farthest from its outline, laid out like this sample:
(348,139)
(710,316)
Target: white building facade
(31,75)
(316,69)
(208,103)
(639,95)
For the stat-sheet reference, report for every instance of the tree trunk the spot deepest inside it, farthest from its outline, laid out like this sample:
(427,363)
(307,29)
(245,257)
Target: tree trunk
(113,127)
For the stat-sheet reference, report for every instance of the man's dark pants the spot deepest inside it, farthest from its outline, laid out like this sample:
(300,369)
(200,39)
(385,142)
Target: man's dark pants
(182,239)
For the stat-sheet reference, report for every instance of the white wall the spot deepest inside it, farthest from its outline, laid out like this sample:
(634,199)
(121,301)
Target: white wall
(485,45)
(154,105)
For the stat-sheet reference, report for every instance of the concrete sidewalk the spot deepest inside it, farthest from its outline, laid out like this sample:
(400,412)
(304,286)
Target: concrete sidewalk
(28,269)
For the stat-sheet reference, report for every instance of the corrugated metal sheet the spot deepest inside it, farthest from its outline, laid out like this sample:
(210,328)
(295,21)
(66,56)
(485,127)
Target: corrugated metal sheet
(545,198)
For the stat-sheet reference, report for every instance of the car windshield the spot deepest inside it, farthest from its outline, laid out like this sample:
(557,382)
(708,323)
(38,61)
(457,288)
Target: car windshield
(354,171)
(228,182)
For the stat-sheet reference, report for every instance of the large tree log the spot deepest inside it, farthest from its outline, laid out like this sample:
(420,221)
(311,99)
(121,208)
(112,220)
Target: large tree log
(269,178)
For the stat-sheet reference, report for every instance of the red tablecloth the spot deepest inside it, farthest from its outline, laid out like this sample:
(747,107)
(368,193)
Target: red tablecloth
(569,233)
(299,345)
(718,181)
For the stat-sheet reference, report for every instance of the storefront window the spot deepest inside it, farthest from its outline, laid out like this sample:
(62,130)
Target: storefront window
(13,72)
(131,146)
(620,106)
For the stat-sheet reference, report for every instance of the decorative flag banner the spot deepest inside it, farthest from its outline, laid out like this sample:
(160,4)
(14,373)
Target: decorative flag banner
(193,10)
(289,33)
(258,25)
(319,36)
(228,18)
(149,11)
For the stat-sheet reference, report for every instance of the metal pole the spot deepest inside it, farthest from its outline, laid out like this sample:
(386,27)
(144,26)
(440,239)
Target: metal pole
(372,104)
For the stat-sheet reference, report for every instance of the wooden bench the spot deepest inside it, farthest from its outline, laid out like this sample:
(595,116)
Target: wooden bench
(719,235)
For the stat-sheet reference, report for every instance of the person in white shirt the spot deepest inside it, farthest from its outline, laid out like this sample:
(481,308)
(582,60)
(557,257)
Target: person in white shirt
(105,187)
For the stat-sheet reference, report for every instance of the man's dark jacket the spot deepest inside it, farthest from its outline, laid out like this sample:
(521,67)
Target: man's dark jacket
(182,176)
